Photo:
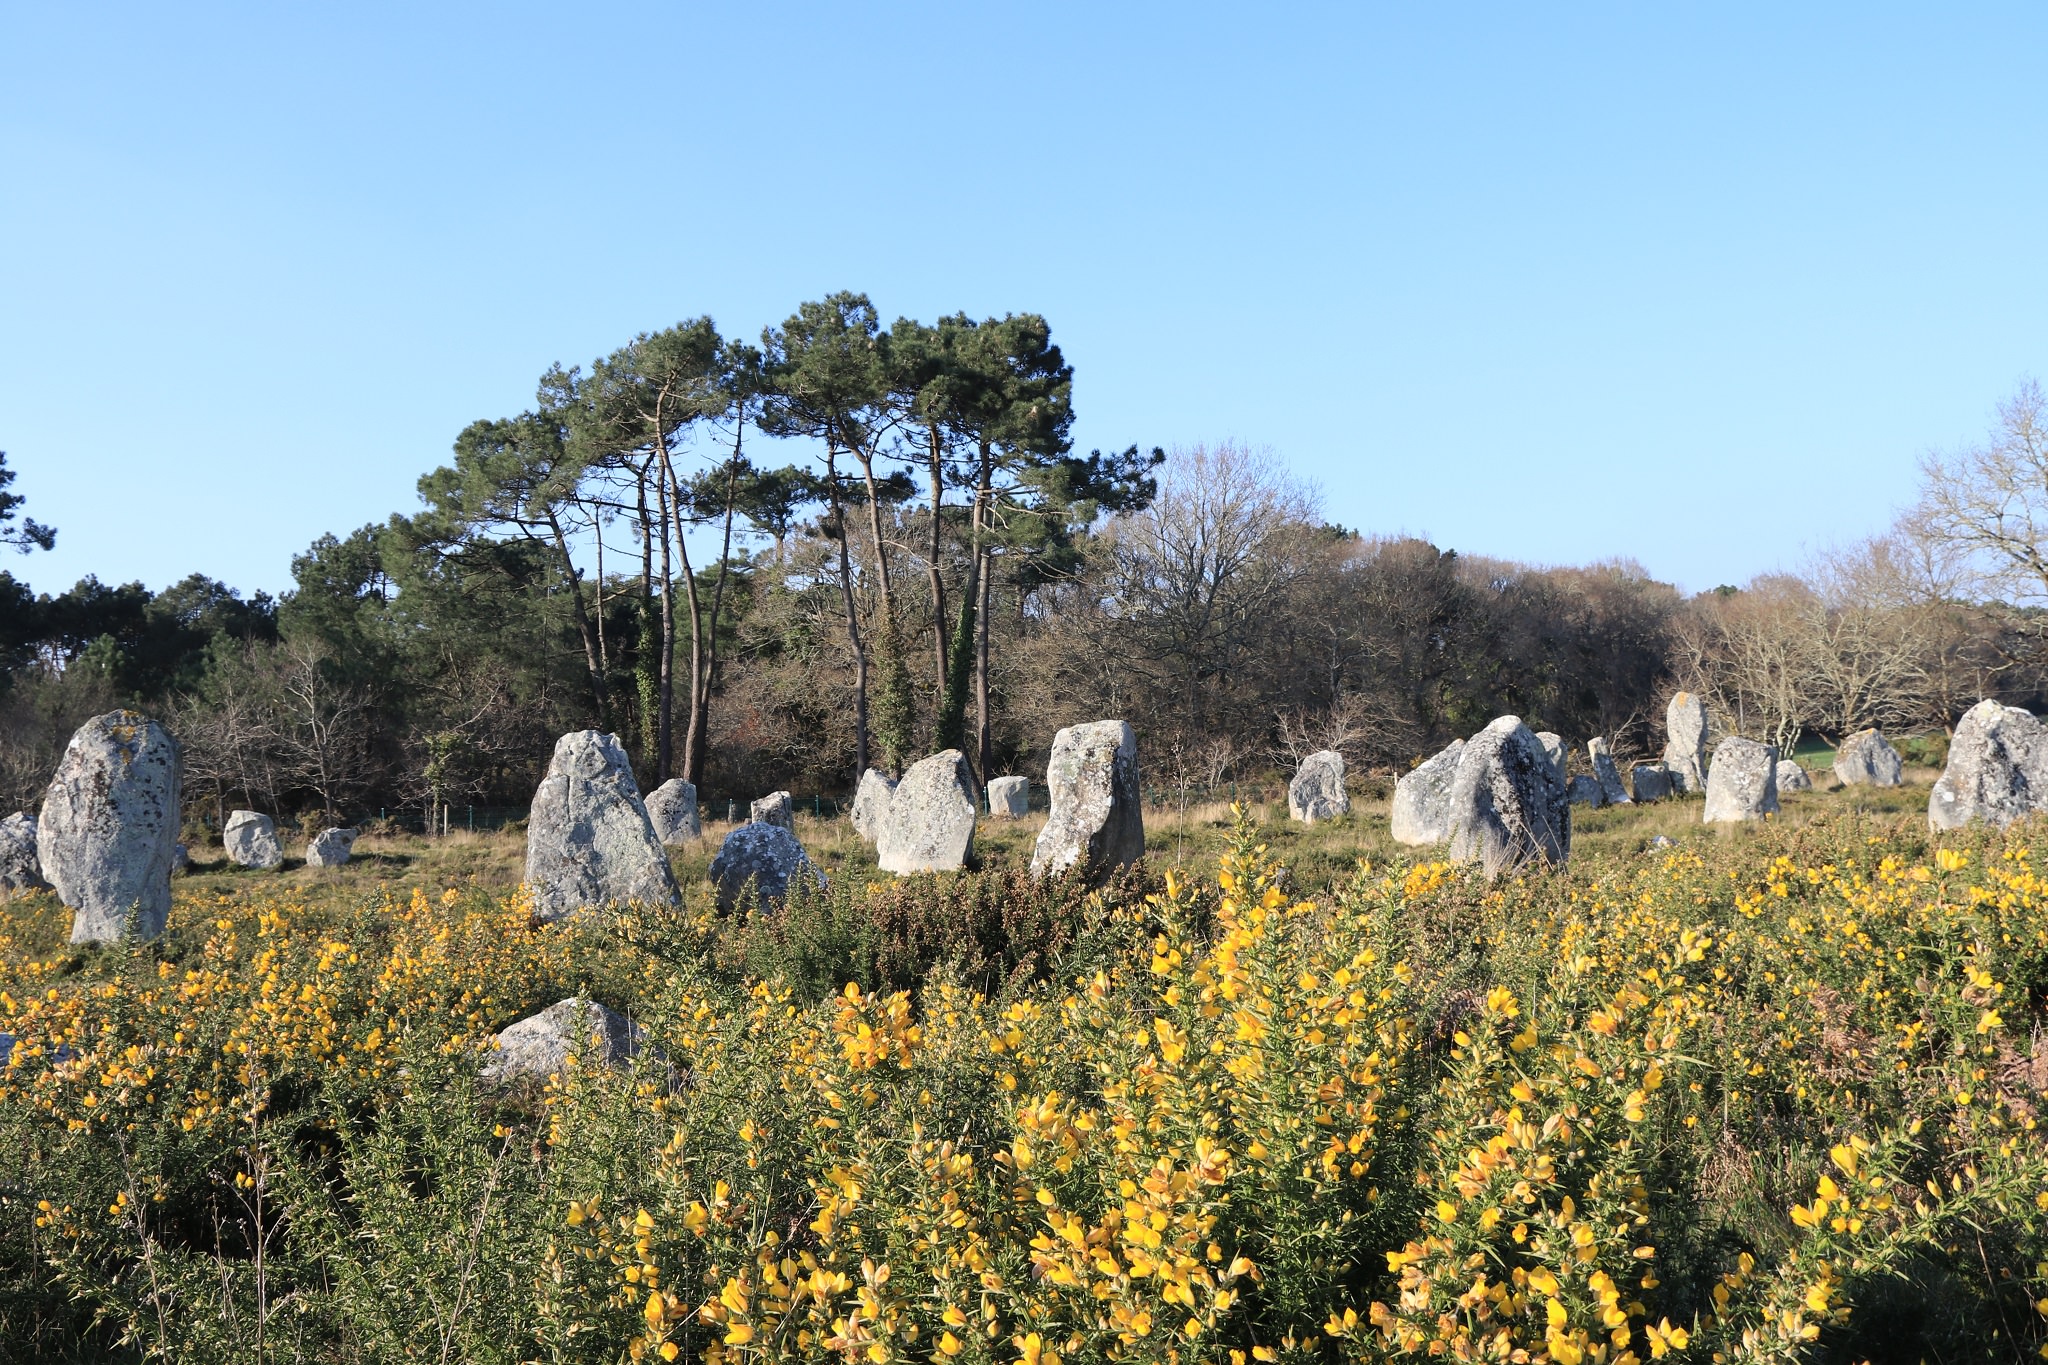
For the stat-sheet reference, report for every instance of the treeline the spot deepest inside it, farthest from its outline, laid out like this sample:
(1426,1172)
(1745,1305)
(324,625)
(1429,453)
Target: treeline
(774,565)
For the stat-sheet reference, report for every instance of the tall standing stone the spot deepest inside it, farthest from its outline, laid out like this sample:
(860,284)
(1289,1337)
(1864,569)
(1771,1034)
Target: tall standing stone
(589,842)
(776,808)
(672,810)
(1867,759)
(1792,777)
(1685,742)
(19,868)
(1421,813)
(1317,791)
(1997,769)
(1612,792)
(765,857)
(1651,781)
(1508,809)
(871,803)
(1009,798)
(250,838)
(109,827)
(1097,821)
(1742,783)
(930,824)
(1554,745)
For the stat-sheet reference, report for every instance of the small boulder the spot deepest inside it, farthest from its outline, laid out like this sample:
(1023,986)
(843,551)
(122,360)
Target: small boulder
(251,840)
(1997,769)
(589,842)
(672,810)
(930,823)
(1685,743)
(1097,820)
(19,870)
(1652,782)
(1554,745)
(1009,798)
(766,856)
(331,847)
(776,808)
(870,803)
(109,827)
(1508,809)
(1793,777)
(1584,790)
(1612,792)
(1422,799)
(1317,791)
(1867,759)
(539,1045)
(181,858)
(1742,782)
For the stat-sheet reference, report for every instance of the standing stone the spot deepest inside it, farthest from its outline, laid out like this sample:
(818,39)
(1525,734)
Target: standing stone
(1097,820)
(1612,792)
(181,857)
(1554,745)
(776,808)
(1685,744)
(870,803)
(251,840)
(1009,798)
(1867,759)
(1997,769)
(930,824)
(19,870)
(1584,791)
(672,810)
(589,842)
(1742,783)
(768,857)
(1317,791)
(1422,800)
(1508,809)
(1652,782)
(331,847)
(109,827)
(1793,777)
(539,1045)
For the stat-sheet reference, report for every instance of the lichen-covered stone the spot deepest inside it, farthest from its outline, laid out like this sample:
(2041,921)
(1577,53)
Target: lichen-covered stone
(1555,746)
(766,857)
(539,1045)
(1612,792)
(1685,743)
(776,808)
(672,810)
(1742,782)
(589,842)
(1793,777)
(331,847)
(1097,821)
(19,869)
(1584,790)
(1652,782)
(1867,759)
(1317,791)
(930,823)
(871,803)
(251,840)
(1508,810)
(1422,799)
(109,827)
(1997,769)
(1009,798)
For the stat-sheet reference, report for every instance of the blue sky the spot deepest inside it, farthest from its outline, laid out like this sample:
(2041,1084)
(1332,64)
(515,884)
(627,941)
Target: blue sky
(1691,284)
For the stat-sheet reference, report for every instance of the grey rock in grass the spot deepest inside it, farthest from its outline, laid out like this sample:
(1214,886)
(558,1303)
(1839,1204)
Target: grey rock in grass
(181,858)
(1097,822)
(1997,769)
(19,868)
(539,1045)
(672,810)
(1009,798)
(930,824)
(1317,791)
(1554,745)
(1742,782)
(766,858)
(1685,743)
(1508,810)
(589,842)
(1652,782)
(108,830)
(251,840)
(1793,777)
(1421,813)
(1584,790)
(1867,759)
(871,803)
(776,808)
(1612,792)
(331,847)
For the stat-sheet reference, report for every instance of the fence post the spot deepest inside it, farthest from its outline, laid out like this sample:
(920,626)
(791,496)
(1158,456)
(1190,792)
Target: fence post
(472,819)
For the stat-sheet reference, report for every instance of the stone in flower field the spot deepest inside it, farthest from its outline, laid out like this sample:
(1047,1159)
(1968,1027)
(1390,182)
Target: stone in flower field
(1742,783)
(1422,799)
(1867,759)
(776,808)
(1793,777)
(1508,810)
(1317,791)
(1009,798)
(1685,744)
(871,803)
(1584,790)
(672,809)
(331,847)
(1612,792)
(1097,822)
(109,827)
(539,1045)
(768,858)
(930,823)
(589,842)
(251,840)
(1997,769)
(1652,781)
(1554,745)
(19,870)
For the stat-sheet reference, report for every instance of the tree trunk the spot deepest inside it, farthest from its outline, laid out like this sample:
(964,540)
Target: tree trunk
(860,658)
(701,723)
(591,658)
(691,734)
(665,726)
(983,492)
(645,671)
(938,579)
